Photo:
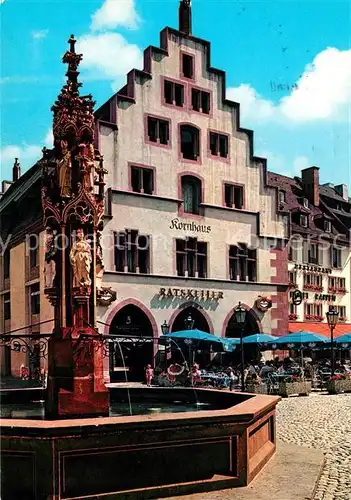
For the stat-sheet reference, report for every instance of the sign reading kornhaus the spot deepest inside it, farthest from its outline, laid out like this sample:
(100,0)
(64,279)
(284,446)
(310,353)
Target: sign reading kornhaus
(189,226)
(190,293)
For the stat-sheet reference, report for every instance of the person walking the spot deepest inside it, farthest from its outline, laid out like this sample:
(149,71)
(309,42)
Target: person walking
(149,373)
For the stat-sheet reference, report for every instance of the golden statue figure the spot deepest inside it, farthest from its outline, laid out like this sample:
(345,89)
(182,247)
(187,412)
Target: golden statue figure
(64,171)
(88,167)
(80,258)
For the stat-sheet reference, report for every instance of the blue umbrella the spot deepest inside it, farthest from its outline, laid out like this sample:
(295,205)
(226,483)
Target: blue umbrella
(198,336)
(299,340)
(259,338)
(344,339)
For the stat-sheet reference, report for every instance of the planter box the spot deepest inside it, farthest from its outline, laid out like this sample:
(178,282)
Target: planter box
(291,388)
(257,388)
(338,386)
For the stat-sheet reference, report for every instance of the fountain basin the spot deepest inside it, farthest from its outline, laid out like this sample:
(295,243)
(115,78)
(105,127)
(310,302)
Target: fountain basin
(141,456)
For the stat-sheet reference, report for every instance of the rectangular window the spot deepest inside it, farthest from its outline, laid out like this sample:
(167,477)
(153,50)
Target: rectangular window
(132,252)
(6,261)
(7,306)
(142,180)
(336,285)
(187,66)
(282,197)
(313,281)
(191,258)
(327,226)
(313,311)
(173,93)
(158,130)
(233,196)
(219,145)
(34,292)
(336,258)
(292,278)
(303,220)
(342,312)
(33,251)
(242,263)
(313,252)
(292,308)
(200,101)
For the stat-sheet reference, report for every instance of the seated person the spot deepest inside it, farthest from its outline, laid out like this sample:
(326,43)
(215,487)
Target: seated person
(266,369)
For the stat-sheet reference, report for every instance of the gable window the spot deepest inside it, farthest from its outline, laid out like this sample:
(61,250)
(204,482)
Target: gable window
(219,145)
(132,252)
(187,66)
(304,202)
(6,263)
(7,306)
(158,130)
(191,258)
(142,180)
(200,101)
(190,142)
(173,93)
(34,293)
(191,194)
(336,258)
(282,198)
(234,196)
(242,263)
(303,220)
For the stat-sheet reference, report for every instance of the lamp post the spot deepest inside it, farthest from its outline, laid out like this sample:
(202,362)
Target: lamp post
(332,318)
(165,330)
(240,316)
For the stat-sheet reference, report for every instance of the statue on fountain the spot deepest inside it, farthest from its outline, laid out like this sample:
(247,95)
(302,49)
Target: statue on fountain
(80,258)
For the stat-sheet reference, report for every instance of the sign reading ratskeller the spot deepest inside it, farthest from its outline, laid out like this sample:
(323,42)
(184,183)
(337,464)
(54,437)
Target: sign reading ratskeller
(190,293)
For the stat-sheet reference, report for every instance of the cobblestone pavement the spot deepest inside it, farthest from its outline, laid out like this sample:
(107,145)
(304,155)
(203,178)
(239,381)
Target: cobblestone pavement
(323,422)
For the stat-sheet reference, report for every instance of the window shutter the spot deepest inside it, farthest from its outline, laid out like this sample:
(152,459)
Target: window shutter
(305,252)
(320,255)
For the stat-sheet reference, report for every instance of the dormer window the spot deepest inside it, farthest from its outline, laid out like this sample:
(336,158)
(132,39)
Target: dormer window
(327,226)
(305,202)
(187,66)
(303,220)
(281,197)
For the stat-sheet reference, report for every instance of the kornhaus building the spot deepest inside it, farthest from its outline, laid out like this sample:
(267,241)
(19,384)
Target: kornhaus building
(192,226)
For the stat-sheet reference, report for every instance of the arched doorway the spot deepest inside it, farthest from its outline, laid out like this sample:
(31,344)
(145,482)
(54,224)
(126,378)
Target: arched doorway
(190,352)
(233,330)
(135,349)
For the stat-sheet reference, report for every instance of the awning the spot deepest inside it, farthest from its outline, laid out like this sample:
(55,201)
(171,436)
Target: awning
(319,328)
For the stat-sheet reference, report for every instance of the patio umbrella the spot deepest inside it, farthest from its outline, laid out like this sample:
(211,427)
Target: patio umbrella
(344,341)
(218,344)
(259,338)
(298,340)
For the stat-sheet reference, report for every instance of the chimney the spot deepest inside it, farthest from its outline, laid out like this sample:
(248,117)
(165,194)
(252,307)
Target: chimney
(185,16)
(310,182)
(16,170)
(343,191)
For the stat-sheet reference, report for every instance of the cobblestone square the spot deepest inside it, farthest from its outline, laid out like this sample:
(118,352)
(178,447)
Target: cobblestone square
(323,422)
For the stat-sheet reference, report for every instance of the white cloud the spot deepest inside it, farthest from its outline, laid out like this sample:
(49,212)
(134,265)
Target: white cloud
(115,13)
(26,153)
(40,34)
(49,139)
(252,105)
(279,163)
(108,56)
(323,89)
(2,1)
(323,93)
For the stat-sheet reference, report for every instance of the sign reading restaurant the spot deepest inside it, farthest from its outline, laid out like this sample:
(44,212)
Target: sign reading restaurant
(313,269)
(189,226)
(189,293)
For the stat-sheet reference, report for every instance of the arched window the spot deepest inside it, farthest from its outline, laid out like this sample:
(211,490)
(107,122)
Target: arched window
(191,194)
(190,142)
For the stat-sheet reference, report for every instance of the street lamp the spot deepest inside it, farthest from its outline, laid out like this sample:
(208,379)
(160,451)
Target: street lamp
(165,328)
(240,316)
(332,318)
(189,322)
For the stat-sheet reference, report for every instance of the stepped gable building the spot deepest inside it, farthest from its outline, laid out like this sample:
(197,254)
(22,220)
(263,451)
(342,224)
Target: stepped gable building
(319,263)
(192,227)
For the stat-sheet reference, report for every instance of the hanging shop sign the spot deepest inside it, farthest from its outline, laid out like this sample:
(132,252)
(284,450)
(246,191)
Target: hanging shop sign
(189,293)
(189,226)
(313,269)
(263,304)
(297,297)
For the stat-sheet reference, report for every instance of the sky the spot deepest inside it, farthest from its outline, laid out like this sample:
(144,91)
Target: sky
(287,62)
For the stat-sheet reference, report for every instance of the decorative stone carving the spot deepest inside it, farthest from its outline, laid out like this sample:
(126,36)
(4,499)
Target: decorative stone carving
(100,266)
(80,258)
(64,171)
(105,296)
(50,255)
